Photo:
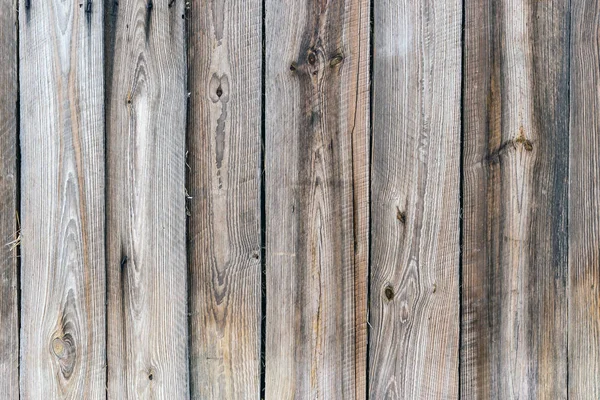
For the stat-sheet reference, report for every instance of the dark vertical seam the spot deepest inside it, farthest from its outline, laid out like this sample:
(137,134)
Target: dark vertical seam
(18,192)
(263,218)
(461,198)
(369,178)
(106,180)
(568,275)
(188,257)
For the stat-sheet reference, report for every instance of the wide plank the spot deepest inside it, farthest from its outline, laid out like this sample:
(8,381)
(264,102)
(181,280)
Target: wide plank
(146,253)
(584,203)
(62,200)
(316,163)
(516,141)
(9,234)
(414,292)
(224,227)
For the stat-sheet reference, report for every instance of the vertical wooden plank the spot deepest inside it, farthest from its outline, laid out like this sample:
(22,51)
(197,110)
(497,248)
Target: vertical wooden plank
(224,229)
(515,185)
(62,200)
(584,203)
(415,200)
(147,292)
(9,317)
(315,165)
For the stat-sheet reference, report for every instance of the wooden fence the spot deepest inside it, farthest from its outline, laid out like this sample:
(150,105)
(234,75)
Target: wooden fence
(318,199)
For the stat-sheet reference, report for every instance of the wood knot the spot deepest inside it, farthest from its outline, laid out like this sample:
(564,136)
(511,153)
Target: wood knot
(389,293)
(400,215)
(312,59)
(336,60)
(63,348)
(219,88)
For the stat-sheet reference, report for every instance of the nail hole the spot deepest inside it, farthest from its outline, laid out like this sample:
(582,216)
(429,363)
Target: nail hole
(219,91)
(150,376)
(293,67)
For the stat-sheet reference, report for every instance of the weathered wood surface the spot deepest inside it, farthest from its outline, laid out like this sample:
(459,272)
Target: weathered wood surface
(316,144)
(62,200)
(584,203)
(9,313)
(147,285)
(516,141)
(415,200)
(224,160)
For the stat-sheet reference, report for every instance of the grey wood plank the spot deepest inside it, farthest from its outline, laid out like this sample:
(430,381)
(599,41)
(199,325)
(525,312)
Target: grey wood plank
(414,303)
(224,228)
(62,200)
(147,283)
(316,188)
(9,235)
(584,203)
(516,144)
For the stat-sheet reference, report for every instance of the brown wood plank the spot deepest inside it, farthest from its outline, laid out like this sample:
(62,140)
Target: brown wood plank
(515,200)
(9,314)
(316,219)
(414,300)
(584,203)
(147,280)
(62,200)
(224,159)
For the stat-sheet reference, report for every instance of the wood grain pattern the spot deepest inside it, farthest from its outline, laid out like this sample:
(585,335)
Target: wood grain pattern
(316,143)
(515,185)
(62,206)
(9,313)
(147,283)
(224,159)
(584,203)
(415,200)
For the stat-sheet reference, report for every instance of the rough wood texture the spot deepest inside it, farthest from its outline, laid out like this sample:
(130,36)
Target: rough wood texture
(415,200)
(62,200)
(316,143)
(9,317)
(147,292)
(224,153)
(516,144)
(584,203)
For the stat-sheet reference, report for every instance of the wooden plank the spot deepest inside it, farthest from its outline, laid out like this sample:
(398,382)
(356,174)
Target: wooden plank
(62,200)
(224,229)
(147,283)
(316,221)
(584,203)
(515,197)
(414,290)
(9,314)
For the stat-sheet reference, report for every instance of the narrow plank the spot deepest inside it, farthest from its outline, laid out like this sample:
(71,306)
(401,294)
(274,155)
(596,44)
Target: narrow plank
(9,317)
(414,290)
(316,186)
(584,203)
(224,228)
(147,283)
(62,200)
(515,200)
